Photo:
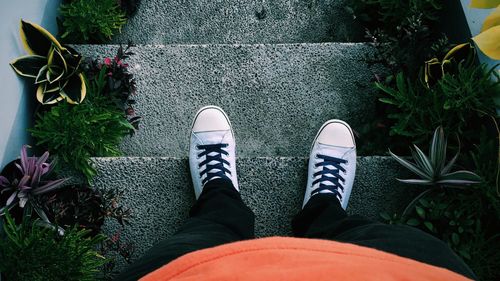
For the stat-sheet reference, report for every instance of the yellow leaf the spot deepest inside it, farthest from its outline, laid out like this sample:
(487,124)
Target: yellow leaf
(489,42)
(455,49)
(492,20)
(484,4)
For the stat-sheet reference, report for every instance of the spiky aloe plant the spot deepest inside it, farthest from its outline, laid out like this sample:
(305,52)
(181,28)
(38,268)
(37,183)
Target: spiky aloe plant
(433,169)
(30,184)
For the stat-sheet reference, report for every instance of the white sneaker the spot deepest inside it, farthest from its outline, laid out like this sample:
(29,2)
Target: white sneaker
(332,162)
(212,148)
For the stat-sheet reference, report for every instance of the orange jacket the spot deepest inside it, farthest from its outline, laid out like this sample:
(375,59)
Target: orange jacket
(283,258)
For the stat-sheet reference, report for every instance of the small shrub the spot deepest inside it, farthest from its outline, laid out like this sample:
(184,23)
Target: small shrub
(93,21)
(453,102)
(111,78)
(389,13)
(77,133)
(30,252)
(403,32)
(86,207)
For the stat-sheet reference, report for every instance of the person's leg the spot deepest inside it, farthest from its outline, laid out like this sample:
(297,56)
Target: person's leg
(332,163)
(324,218)
(219,215)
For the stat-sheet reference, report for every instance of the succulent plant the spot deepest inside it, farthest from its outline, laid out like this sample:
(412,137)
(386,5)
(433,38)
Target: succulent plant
(30,183)
(433,169)
(53,67)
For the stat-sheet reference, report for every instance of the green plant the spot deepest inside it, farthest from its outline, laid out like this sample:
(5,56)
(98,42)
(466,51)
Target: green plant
(29,185)
(453,102)
(86,207)
(52,66)
(112,79)
(390,13)
(30,252)
(404,33)
(76,133)
(465,218)
(94,21)
(433,170)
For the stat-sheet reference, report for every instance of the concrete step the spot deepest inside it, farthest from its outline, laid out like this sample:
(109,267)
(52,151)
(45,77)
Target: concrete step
(277,96)
(159,191)
(240,21)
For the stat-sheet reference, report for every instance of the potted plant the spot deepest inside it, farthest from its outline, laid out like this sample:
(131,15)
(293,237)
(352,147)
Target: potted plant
(23,181)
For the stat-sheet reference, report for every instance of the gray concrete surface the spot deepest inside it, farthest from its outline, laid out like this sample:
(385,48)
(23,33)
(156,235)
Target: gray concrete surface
(277,96)
(159,191)
(240,21)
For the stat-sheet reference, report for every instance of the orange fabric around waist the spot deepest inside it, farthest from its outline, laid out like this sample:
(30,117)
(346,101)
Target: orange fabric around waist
(285,258)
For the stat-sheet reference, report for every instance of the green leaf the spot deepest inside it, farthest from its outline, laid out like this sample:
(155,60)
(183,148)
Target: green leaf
(54,74)
(446,169)
(42,75)
(75,90)
(388,101)
(459,178)
(385,216)
(45,97)
(429,225)
(412,222)
(464,254)
(438,149)
(408,165)
(455,238)
(28,66)
(387,90)
(36,39)
(420,212)
(416,181)
(424,203)
(424,161)
(55,59)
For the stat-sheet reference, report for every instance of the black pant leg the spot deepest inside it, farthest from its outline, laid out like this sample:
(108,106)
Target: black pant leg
(219,216)
(324,218)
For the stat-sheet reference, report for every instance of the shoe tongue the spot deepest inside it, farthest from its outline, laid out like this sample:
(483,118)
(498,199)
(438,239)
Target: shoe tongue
(332,150)
(211,137)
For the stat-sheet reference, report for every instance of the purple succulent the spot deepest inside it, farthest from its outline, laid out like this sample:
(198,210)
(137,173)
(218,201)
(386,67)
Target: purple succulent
(31,182)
